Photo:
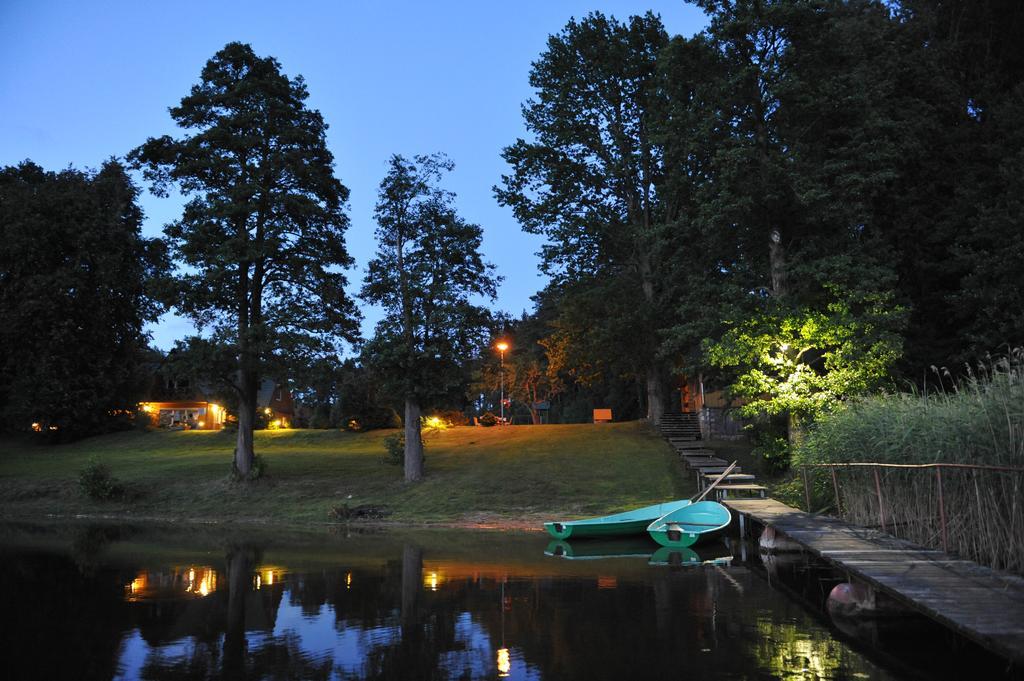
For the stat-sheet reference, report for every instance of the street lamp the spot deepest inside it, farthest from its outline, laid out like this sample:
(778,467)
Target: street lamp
(502,347)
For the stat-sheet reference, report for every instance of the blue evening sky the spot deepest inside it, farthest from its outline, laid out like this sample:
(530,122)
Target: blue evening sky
(83,81)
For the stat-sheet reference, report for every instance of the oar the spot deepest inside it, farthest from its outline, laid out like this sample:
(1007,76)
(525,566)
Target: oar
(710,487)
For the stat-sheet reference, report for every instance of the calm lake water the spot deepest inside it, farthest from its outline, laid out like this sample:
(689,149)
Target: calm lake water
(119,602)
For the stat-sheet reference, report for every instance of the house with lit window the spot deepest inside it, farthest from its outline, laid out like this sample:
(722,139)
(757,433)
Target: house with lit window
(275,402)
(191,414)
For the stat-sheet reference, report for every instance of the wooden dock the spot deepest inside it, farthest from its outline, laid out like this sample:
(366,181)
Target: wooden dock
(983,605)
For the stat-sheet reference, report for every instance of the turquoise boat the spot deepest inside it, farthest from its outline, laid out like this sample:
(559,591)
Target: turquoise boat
(625,523)
(683,556)
(638,546)
(675,556)
(687,525)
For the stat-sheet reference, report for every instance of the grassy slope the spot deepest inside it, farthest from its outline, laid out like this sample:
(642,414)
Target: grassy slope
(517,473)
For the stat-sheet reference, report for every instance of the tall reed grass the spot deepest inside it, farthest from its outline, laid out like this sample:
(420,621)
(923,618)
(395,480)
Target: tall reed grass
(978,419)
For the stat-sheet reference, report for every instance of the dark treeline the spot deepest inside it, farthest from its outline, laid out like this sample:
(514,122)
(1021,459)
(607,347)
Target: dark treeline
(807,200)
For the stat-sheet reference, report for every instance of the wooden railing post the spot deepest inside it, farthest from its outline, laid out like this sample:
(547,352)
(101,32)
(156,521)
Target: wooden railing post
(878,490)
(835,486)
(942,508)
(807,490)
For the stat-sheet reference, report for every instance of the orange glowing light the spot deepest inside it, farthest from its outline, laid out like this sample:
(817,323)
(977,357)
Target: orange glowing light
(348,580)
(37,427)
(504,663)
(502,346)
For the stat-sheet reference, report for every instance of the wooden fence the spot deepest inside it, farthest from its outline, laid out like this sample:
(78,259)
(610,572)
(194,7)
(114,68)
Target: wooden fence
(974,511)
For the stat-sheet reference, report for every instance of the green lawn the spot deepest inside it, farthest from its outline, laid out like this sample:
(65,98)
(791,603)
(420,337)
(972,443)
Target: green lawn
(505,476)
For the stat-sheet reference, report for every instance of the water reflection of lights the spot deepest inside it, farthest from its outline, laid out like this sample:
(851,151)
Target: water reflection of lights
(206,583)
(504,665)
(174,582)
(268,576)
(432,580)
(348,580)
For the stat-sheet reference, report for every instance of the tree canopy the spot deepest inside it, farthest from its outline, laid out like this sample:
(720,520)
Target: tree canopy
(76,289)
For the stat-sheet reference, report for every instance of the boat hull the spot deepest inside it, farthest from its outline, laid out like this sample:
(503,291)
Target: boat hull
(691,524)
(620,524)
(638,546)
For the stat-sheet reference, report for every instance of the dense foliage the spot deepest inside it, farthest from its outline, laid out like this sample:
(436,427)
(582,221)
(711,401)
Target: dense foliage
(977,419)
(75,293)
(806,201)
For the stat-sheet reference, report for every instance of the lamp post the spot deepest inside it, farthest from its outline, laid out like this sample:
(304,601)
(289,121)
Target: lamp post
(502,347)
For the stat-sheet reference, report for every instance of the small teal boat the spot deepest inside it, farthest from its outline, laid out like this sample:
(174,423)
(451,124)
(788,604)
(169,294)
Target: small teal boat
(638,546)
(687,525)
(626,523)
(675,556)
(683,556)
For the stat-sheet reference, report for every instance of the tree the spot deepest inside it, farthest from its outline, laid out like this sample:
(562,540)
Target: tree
(799,362)
(593,182)
(75,294)
(527,378)
(427,270)
(261,239)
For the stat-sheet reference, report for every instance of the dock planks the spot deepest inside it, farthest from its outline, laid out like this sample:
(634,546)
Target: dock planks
(982,604)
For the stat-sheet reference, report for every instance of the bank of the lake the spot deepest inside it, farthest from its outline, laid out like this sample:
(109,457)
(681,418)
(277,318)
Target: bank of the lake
(515,475)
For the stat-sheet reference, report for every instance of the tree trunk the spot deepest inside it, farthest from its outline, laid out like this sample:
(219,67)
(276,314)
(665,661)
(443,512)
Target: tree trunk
(412,582)
(655,395)
(244,452)
(535,416)
(413,441)
(777,263)
(240,564)
(794,431)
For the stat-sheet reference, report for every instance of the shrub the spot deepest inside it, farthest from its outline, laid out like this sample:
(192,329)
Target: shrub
(488,420)
(98,483)
(394,445)
(773,450)
(978,419)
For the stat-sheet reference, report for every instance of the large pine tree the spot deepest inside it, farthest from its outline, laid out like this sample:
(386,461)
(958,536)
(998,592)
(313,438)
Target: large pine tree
(261,238)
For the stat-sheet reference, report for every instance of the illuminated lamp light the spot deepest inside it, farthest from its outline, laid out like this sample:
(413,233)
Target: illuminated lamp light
(37,427)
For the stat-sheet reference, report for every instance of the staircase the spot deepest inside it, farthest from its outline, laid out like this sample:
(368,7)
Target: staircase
(682,430)
(684,427)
